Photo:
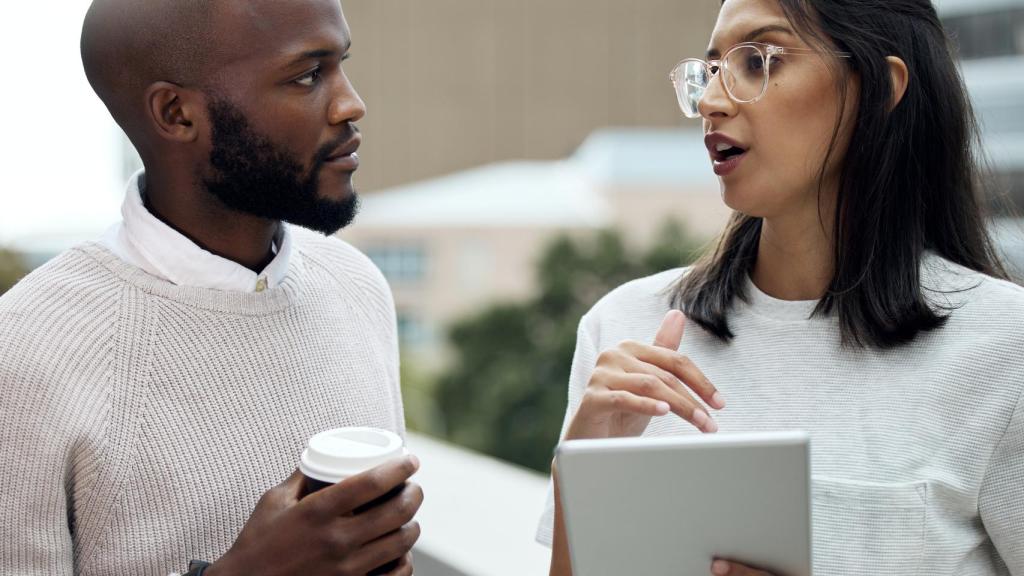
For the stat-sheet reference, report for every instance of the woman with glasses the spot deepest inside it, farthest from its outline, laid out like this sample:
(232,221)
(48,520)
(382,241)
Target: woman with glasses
(854,294)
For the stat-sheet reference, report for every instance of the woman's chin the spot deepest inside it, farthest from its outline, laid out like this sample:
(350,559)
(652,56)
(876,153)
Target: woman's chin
(738,200)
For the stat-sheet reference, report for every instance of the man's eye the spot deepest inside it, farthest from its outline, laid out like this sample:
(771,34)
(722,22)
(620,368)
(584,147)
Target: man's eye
(309,78)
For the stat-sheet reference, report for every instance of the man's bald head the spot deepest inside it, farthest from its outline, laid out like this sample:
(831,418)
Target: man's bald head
(237,105)
(127,45)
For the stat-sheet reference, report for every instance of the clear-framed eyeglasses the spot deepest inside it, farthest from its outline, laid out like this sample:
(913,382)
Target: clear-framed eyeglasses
(744,71)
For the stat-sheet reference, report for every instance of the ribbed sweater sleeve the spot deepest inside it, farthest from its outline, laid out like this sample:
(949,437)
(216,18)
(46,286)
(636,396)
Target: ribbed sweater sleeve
(361,281)
(56,377)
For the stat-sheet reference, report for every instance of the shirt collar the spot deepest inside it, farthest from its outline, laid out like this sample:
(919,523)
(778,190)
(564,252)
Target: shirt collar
(166,253)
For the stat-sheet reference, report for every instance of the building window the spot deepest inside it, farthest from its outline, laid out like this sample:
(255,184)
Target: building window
(400,264)
(988,34)
(412,331)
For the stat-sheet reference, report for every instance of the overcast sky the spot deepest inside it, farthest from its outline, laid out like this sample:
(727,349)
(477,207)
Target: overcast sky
(61,174)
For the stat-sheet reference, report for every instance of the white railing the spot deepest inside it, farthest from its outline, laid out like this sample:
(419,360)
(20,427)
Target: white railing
(479,514)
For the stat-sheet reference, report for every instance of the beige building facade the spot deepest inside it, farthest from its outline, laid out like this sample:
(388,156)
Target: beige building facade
(453,84)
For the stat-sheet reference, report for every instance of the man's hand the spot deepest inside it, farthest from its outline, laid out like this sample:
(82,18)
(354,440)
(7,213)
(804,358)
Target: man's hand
(351,528)
(728,568)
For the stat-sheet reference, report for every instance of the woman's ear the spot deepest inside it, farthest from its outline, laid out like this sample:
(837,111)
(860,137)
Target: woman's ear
(900,77)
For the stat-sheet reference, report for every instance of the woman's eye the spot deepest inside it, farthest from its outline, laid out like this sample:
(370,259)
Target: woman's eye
(309,78)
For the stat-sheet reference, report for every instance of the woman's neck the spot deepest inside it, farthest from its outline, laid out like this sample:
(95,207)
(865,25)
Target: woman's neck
(794,258)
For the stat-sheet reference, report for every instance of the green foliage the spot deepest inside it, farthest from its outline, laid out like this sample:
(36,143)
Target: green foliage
(422,413)
(12,269)
(505,391)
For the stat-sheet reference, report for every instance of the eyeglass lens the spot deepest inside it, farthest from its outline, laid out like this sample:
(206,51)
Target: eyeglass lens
(744,76)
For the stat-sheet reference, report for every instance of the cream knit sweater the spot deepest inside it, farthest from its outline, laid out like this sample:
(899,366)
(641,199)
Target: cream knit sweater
(917,453)
(141,421)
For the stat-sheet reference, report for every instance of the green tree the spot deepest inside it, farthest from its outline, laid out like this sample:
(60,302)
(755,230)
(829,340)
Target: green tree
(12,269)
(505,391)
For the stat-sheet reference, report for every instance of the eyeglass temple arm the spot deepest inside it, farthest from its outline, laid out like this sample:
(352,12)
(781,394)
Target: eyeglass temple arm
(772,50)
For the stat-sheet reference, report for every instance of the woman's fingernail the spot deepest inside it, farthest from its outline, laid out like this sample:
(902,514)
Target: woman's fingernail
(663,408)
(700,419)
(711,426)
(719,567)
(717,401)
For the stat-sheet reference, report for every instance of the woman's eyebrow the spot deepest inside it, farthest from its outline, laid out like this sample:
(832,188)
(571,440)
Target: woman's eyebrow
(753,35)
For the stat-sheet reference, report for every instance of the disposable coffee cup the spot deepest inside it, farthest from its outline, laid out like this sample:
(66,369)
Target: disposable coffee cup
(333,455)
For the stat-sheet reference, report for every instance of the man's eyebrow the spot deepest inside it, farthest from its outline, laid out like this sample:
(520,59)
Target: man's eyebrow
(319,53)
(753,35)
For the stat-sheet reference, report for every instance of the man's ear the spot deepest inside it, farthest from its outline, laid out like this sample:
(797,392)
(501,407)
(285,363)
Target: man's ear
(900,76)
(172,111)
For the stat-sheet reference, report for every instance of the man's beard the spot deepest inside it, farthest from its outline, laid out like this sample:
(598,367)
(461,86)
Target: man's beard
(252,174)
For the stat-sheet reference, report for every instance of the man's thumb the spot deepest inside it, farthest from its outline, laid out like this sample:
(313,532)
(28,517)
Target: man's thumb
(671,332)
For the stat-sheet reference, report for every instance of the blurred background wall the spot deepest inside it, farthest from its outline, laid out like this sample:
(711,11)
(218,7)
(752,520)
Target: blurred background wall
(452,84)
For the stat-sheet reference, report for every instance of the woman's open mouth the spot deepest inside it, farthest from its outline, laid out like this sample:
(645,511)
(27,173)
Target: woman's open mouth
(726,154)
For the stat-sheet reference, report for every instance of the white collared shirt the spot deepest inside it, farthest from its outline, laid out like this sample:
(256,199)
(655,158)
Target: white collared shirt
(142,240)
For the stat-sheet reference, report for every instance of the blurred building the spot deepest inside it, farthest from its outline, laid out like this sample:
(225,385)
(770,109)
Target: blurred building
(989,35)
(454,84)
(454,244)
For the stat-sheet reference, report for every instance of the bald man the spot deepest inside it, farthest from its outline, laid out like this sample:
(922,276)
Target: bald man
(158,386)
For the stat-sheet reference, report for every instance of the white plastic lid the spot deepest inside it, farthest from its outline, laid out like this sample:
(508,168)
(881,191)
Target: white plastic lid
(333,455)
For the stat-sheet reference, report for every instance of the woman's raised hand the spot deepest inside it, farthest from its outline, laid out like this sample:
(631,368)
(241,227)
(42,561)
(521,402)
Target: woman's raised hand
(634,382)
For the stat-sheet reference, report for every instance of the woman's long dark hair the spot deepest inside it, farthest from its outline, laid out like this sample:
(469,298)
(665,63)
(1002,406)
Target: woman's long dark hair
(910,181)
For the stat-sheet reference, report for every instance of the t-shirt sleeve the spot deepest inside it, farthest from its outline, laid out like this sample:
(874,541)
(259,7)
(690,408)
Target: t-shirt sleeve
(583,363)
(1001,498)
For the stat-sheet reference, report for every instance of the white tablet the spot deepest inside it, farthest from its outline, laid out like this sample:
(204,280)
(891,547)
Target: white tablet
(669,506)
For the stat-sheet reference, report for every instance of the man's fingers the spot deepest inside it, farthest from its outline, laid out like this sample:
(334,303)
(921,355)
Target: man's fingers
(294,482)
(353,492)
(385,549)
(645,381)
(403,568)
(288,491)
(391,515)
(670,335)
(682,368)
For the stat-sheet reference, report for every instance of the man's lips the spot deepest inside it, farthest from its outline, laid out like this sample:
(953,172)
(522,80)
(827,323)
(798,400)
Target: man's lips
(345,156)
(347,148)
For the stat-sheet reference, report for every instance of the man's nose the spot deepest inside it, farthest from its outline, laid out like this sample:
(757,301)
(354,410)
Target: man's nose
(346,105)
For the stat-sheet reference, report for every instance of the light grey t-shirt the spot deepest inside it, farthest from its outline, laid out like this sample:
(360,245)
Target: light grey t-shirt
(917,452)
